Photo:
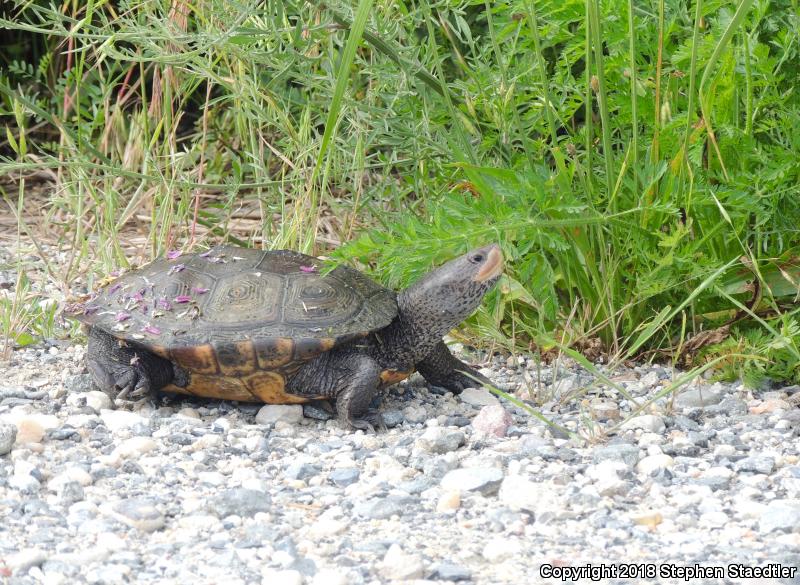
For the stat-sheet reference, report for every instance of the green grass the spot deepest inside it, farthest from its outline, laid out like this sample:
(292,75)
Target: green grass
(644,188)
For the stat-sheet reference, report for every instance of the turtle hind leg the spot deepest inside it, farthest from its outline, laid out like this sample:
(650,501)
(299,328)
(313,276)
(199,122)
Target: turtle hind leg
(125,370)
(349,378)
(354,399)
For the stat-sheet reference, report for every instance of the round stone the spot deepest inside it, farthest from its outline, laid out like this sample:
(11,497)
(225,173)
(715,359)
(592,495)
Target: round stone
(492,420)
(139,513)
(484,480)
(648,422)
(449,501)
(440,440)
(240,502)
(654,463)
(272,413)
(399,565)
(345,476)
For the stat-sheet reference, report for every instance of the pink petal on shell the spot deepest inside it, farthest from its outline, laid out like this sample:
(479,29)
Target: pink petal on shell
(164,304)
(183,299)
(205,254)
(172,254)
(308,269)
(122,316)
(176,268)
(151,330)
(200,290)
(114,288)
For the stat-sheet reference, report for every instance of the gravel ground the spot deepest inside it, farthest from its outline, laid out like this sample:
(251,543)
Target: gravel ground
(460,489)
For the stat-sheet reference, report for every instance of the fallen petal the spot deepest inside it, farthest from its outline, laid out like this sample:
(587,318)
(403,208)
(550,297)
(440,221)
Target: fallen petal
(308,269)
(151,330)
(122,316)
(200,290)
(172,254)
(183,299)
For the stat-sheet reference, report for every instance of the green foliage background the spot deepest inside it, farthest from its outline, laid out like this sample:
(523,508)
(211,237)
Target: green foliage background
(637,162)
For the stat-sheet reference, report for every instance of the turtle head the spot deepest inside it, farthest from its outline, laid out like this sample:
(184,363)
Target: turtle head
(444,297)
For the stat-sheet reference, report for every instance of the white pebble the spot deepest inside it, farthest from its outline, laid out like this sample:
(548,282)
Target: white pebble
(272,413)
(116,420)
(653,463)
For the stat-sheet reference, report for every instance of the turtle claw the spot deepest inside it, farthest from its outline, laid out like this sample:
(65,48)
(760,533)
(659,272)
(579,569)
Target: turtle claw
(371,420)
(133,383)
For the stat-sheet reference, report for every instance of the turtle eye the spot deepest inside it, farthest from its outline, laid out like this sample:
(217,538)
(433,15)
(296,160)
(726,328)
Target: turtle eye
(476,258)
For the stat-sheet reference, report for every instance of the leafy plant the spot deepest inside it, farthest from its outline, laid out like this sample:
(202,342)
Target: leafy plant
(643,186)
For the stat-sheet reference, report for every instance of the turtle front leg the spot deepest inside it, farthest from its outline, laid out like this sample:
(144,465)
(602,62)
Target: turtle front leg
(442,368)
(132,371)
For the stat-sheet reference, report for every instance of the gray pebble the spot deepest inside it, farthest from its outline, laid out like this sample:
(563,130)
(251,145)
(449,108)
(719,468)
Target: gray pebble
(780,515)
(79,383)
(457,420)
(385,507)
(140,513)
(312,411)
(64,433)
(440,440)
(756,464)
(437,467)
(392,418)
(729,405)
(240,502)
(345,476)
(181,439)
(484,480)
(625,452)
(450,572)
(698,397)
(684,423)
(8,434)
(71,492)
(301,470)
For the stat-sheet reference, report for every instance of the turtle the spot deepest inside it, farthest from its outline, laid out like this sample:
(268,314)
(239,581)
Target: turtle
(279,327)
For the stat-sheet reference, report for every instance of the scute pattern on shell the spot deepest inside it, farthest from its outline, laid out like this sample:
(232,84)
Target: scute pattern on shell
(238,295)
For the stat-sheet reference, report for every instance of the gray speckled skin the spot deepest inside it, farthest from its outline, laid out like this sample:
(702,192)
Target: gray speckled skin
(351,374)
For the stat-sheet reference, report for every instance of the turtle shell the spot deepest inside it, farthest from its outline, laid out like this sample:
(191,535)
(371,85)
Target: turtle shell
(235,312)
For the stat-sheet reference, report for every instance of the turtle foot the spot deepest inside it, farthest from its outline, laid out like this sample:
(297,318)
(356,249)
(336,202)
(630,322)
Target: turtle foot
(369,421)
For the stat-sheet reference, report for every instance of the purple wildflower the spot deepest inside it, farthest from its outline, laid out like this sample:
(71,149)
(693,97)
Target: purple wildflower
(151,330)
(183,299)
(172,254)
(308,268)
(199,290)
(122,316)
